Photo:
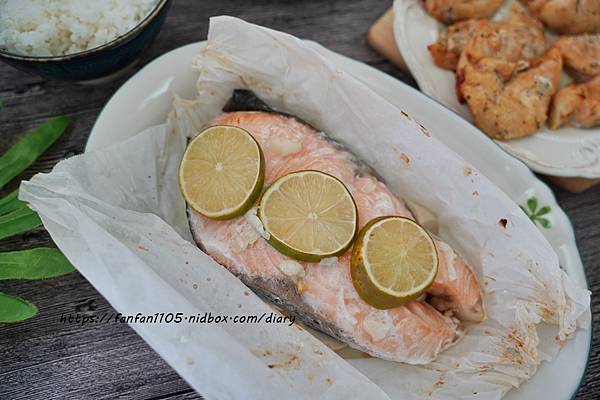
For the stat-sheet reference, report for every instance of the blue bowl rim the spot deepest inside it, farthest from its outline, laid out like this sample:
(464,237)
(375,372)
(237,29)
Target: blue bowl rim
(113,43)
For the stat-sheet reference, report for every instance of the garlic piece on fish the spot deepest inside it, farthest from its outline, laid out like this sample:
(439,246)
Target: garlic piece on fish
(446,251)
(376,328)
(384,201)
(369,186)
(252,218)
(283,146)
(292,269)
(328,261)
(300,286)
(244,235)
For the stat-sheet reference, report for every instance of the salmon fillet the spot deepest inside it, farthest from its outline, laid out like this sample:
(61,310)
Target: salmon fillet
(322,294)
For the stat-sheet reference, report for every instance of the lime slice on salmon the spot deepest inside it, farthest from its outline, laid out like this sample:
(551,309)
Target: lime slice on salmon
(309,215)
(222,172)
(394,260)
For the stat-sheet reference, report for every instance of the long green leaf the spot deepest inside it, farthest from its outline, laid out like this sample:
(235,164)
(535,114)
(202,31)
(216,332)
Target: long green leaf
(15,309)
(18,221)
(10,202)
(40,263)
(29,148)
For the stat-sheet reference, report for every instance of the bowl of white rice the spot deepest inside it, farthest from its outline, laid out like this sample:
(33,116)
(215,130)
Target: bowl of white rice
(77,40)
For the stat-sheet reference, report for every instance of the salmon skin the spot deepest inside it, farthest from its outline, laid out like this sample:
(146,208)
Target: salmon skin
(246,100)
(321,294)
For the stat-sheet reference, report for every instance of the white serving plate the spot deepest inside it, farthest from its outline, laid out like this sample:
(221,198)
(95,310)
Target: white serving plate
(568,151)
(145,99)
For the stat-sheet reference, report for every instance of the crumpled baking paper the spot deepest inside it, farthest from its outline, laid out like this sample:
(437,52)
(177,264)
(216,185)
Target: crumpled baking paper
(118,216)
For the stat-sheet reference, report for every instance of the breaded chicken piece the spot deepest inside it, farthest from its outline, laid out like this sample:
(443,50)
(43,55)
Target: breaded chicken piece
(518,36)
(519,15)
(512,42)
(581,55)
(450,11)
(567,16)
(506,102)
(450,44)
(577,104)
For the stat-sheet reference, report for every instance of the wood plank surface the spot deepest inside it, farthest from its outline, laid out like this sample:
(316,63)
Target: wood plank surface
(44,358)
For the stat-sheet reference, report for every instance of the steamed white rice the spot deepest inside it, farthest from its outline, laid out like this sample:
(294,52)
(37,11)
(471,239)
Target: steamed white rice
(59,27)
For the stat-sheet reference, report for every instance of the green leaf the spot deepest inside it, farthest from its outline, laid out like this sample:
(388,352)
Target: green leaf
(18,221)
(524,210)
(28,149)
(543,211)
(532,204)
(544,222)
(10,202)
(15,309)
(40,263)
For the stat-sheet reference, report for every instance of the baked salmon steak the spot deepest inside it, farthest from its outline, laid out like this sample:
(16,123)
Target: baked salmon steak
(321,294)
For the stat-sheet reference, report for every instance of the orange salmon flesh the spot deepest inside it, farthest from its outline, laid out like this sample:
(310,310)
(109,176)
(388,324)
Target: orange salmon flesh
(322,294)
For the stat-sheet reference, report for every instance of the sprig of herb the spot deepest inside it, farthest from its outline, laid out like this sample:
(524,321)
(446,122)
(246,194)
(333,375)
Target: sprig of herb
(537,215)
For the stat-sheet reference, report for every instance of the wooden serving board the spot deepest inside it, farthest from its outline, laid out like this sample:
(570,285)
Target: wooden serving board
(381,38)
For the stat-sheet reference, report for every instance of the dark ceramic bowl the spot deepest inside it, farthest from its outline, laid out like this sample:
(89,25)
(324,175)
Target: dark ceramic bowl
(99,62)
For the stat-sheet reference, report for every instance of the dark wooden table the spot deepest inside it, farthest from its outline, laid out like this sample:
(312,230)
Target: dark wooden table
(45,359)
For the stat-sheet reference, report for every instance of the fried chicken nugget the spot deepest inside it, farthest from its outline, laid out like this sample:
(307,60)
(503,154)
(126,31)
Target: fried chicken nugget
(581,55)
(507,102)
(567,16)
(577,104)
(518,36)
(450,44)
(450,11)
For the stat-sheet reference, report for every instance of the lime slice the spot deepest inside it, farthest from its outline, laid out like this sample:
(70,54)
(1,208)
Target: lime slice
(309,215)
(222,172)
(394,260)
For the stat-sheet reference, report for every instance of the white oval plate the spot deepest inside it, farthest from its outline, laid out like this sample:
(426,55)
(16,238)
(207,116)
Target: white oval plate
(567,151)
(145,99)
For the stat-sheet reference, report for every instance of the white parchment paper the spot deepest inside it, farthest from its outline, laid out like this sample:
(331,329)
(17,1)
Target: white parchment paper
(118,216)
